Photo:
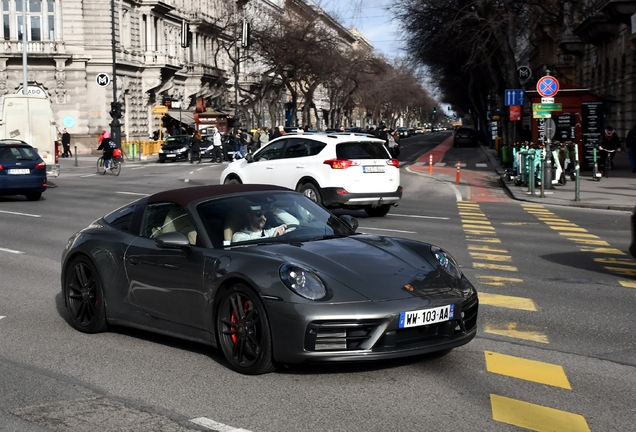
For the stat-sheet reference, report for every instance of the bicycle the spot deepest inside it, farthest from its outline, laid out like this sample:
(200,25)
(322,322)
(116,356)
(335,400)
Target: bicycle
(608,161)
(114,168)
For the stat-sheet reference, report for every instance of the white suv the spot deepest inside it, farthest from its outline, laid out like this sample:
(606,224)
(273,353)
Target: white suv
(335,170)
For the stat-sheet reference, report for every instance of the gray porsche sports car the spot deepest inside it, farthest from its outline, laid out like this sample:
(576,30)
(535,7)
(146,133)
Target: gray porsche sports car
(267,276)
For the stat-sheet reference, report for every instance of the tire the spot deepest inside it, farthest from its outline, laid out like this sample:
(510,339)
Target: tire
(311,192)
(231,181)
(117,168)
(84,296)
(100,166)
(379,211)
(243,331)
(34,196)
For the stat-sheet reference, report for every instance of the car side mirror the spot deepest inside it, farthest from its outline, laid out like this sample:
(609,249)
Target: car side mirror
(249,157)
(172,240)
(350,221)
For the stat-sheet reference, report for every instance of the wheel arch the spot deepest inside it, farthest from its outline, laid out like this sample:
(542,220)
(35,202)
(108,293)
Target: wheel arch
(308,179)
(67,265)
(232,176)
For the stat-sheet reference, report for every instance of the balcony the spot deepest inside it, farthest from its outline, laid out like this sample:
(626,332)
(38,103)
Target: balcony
(45,48)
(202,70)
(570,44)
(154,58)
(619,11)
(596,29)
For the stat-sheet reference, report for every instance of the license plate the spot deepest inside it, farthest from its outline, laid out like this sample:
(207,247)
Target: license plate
(18,171)
(372,169)
(171,155)
(426,316)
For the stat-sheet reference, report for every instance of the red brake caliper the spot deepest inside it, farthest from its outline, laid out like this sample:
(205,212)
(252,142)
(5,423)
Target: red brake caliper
(234,318)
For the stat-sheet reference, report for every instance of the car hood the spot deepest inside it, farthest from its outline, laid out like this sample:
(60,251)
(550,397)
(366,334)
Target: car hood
(376,267)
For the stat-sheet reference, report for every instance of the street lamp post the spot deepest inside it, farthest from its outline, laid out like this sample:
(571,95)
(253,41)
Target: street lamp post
(115,106)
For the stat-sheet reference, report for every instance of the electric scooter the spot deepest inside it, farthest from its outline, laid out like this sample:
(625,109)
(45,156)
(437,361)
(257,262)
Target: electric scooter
(559,172)
(596,174)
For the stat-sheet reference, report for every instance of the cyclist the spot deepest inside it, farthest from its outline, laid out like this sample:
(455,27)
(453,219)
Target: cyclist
(107,145)
(610,142)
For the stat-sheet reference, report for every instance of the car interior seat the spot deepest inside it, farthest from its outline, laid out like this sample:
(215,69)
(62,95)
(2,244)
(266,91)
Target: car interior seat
(177,220)
(234,221)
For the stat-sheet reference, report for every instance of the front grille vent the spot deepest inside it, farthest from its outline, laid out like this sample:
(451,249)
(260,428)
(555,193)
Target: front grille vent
(338,335)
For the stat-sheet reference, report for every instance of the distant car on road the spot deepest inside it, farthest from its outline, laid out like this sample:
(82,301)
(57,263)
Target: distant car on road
(465,136)
(175,148)
(336,170)
(22,170)
(404,132)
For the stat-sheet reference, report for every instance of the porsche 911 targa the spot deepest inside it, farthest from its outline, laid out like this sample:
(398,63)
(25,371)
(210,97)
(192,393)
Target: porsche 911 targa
(267,276)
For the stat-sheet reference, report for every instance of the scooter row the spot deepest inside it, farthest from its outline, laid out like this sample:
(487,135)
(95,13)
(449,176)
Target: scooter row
(528,159)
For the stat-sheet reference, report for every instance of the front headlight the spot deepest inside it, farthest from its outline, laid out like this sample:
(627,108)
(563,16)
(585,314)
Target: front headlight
(302,281)
(446,261)
(160,150)
(181,150)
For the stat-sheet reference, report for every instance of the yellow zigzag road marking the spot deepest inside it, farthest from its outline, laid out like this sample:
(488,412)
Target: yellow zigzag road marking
(508,302)
(485,248)
(622,271)
(477,232)
(568,228)
(495,267)
(612,260)
(511,331)
(529,370)
(628,284)
(574,234)
(535,417)
(490,257)
(498,280)
(478,222)
(483,239)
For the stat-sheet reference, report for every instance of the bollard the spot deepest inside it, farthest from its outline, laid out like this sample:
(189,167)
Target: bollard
(430,164)
(531,174)
(75,147)
(547,169)
(543,162)
(457,175)
(577,168)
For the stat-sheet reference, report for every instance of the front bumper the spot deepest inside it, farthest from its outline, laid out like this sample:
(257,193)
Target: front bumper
(331,198)
(364,331)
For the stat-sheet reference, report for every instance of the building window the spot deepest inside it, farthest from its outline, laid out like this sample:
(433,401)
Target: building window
(40,19)
(6,20)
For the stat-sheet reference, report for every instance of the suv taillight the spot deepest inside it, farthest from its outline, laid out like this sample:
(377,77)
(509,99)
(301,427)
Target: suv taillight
(394,162)
(57,152)
(338,163)
(40,165)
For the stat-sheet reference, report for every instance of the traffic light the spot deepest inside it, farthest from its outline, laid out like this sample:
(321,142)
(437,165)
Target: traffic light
(435,110)
(115,110)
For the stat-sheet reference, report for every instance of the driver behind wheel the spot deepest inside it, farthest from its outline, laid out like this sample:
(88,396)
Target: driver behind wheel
(257,218)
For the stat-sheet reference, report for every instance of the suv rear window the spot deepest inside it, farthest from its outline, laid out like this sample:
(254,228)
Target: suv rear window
(362,150)
(18,152)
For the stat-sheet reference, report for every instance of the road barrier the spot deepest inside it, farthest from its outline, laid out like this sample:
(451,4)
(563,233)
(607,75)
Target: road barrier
(430,164)
(135,149)
(457,175)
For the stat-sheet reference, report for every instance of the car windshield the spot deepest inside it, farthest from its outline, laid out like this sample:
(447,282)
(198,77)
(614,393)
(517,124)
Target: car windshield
(181,140)
(256,218)
(17,153)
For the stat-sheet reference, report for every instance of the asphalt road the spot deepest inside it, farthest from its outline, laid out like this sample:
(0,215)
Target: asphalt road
(555,348)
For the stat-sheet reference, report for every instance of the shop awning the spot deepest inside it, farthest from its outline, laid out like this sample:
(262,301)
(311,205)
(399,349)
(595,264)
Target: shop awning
(187,117)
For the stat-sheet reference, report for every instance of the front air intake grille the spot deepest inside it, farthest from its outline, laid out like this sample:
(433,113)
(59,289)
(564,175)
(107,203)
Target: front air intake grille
(338,335)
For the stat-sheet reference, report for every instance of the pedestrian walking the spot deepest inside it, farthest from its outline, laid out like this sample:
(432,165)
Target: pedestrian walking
(630,143)
(195,147)
(264,138)
(256,139)
(217,149)
(280,131)
(66,143)
(239,149)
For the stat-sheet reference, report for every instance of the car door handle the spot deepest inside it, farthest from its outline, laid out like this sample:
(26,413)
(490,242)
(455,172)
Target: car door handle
(300,166)
(270,166)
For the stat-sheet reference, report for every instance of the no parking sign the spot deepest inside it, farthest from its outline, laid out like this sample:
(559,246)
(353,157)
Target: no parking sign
(548,86)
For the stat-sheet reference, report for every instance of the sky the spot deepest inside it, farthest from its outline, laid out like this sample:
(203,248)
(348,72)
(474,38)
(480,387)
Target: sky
(372,19)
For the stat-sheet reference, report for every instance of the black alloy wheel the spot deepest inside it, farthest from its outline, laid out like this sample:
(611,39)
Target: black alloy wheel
(243,330)
(84,298)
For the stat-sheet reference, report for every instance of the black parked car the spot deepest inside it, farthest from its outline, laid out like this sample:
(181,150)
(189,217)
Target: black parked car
(267,276)
(465,136)
(22,170)
(175,148)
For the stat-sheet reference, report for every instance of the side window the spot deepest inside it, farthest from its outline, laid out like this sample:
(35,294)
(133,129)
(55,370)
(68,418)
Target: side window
(297,147)
(272,151)
(162,218)
(121,218)
(315,147)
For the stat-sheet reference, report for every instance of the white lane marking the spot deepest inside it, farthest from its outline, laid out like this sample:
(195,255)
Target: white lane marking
(1,317)
(131,193)
(187,180)
(418,216)
(139,167)
(21,214)
(220,427)
(191,172)
(481,165)
(391,230)
(11,251)
(458,194)
(88,175)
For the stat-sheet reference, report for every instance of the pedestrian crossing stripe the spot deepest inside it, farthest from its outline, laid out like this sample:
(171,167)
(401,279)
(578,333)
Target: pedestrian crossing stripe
(484,227)
(510,330)
(622,271)
(509,302)
(572,228)
(535,417)
(628,284)
(590,242)
(577,234)
(477,232)
(485,248)
(480,221)
(497,280)
(619,261)
(528,370)
(483,239)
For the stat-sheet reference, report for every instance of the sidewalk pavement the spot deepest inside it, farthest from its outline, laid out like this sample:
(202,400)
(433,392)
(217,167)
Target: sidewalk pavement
(618,192)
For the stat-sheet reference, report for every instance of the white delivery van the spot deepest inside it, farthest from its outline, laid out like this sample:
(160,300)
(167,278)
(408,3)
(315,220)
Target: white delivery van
(30,118)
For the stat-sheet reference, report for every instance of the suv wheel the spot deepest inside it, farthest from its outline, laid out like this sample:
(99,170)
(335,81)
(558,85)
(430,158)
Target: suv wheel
(378,211)
(311,192)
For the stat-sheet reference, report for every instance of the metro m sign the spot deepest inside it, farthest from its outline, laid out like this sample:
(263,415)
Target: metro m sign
(102,79)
